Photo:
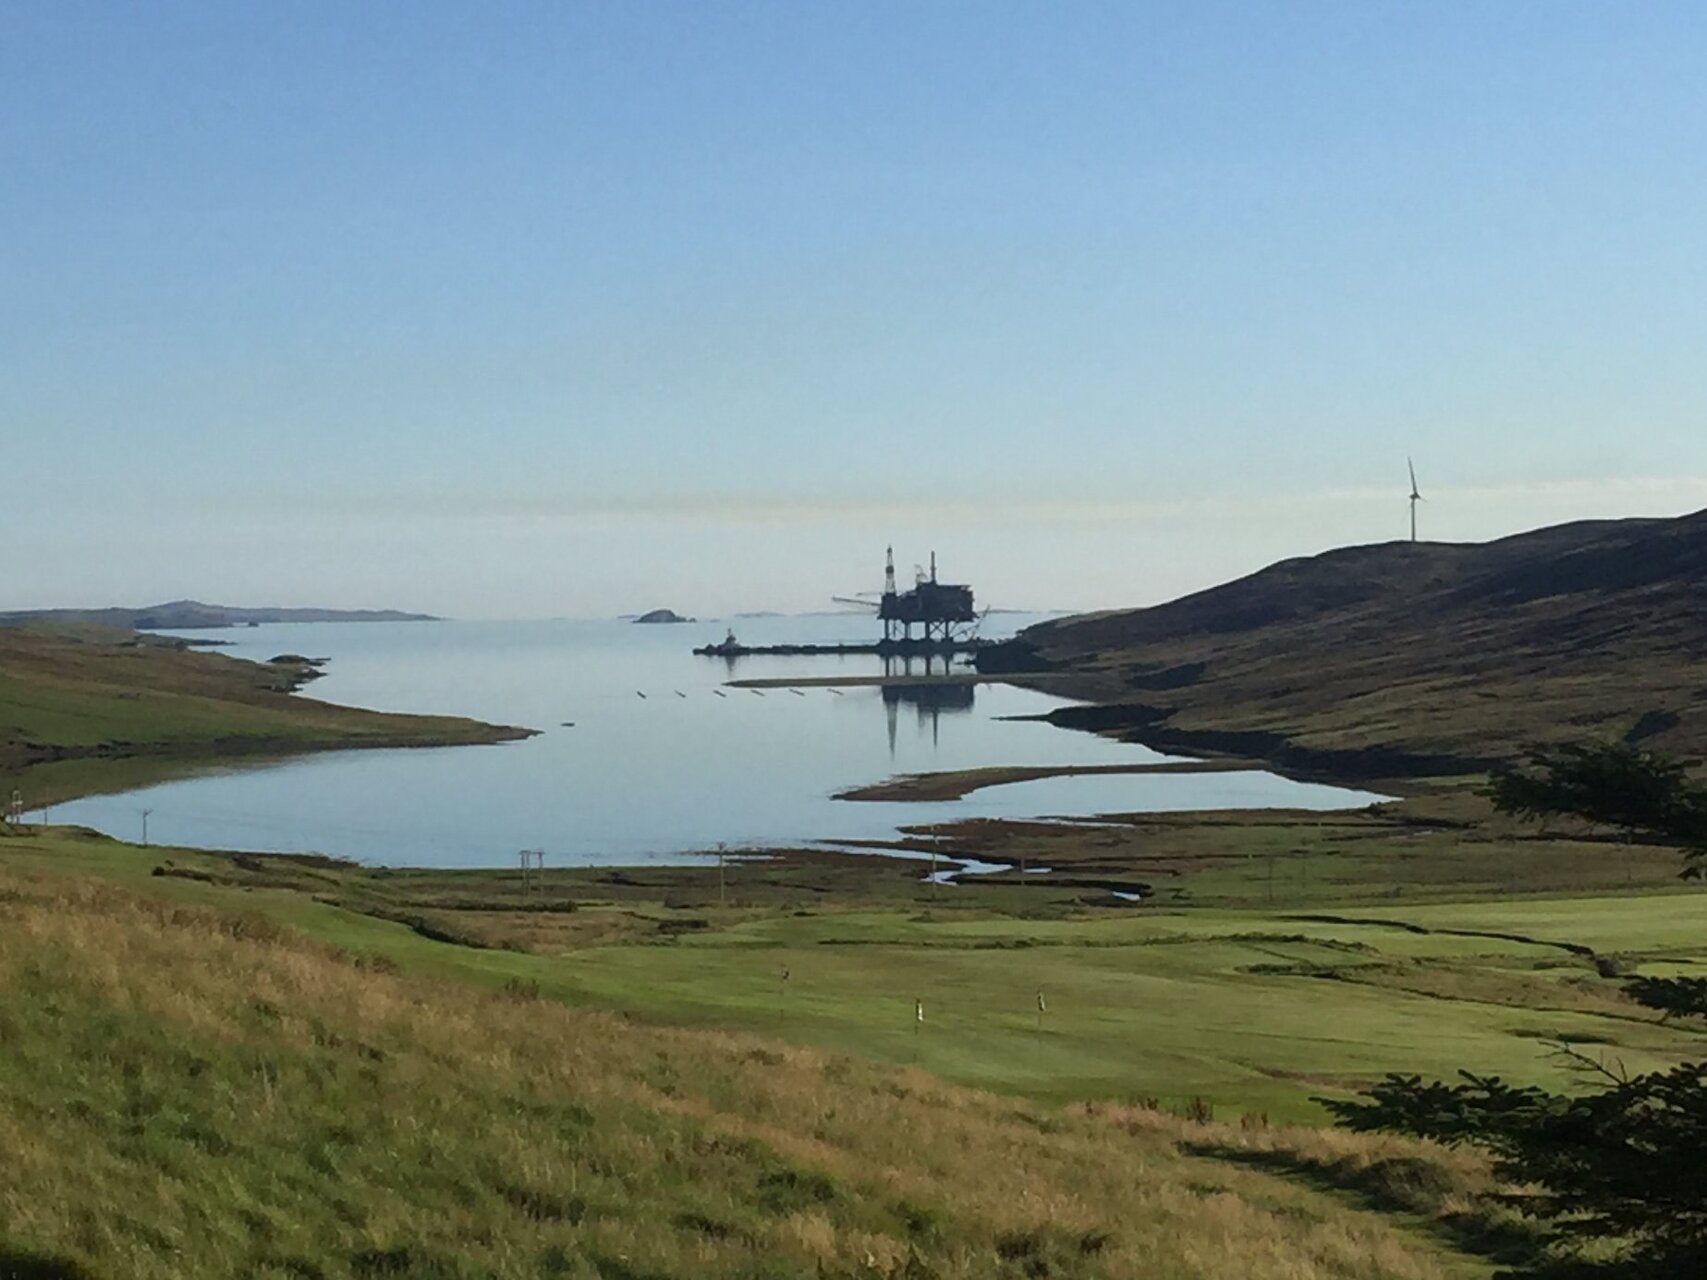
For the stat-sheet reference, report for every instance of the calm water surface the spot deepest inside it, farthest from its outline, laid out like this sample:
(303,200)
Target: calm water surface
(637,779)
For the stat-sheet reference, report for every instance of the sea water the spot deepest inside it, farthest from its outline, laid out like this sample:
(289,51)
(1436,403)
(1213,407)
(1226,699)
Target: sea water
(645,754)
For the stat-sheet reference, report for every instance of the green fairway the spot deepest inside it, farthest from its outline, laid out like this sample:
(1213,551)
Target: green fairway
(1640,924)
(1252,1010)
(189,1092)
(1248,1011)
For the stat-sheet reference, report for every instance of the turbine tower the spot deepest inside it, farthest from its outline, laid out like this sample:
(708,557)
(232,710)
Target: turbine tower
(1415,498)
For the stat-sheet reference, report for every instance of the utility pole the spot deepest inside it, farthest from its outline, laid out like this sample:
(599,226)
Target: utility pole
(530,860)
(145,814)
(722,889)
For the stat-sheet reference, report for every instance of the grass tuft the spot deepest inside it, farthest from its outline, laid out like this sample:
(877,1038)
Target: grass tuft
(186,1096)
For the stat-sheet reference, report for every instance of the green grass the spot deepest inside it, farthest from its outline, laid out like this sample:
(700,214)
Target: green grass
(1249,1009)
(1446,844)
(1397,659)
(1151,1011)
(1639,924)
(195,1093)
(79,705)
(1238,1008)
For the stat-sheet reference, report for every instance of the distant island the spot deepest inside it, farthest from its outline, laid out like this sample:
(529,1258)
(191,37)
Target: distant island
(193,614)
(662,615)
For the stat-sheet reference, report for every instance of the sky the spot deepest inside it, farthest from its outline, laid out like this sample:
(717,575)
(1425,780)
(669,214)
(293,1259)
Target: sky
(540,309)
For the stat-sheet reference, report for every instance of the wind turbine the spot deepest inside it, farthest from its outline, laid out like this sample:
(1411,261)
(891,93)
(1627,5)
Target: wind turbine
(1415,498)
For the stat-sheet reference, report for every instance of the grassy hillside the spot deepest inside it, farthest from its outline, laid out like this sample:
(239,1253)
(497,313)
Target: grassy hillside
(1250,1009)
(96,694)
(1409,658)
(186,1092)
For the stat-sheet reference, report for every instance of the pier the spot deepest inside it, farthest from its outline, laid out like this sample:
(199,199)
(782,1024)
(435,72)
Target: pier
(896,648)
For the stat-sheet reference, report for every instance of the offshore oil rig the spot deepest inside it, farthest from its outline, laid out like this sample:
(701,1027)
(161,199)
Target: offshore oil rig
(942,611)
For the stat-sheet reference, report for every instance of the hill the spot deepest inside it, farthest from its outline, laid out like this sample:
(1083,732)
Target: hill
(187,1092)
(186,615)
(1407,658)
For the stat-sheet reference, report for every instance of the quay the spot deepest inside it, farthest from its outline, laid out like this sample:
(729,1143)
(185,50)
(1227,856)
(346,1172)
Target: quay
(896,648)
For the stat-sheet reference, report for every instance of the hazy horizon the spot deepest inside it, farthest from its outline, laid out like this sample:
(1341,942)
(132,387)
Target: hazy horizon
(904,572)
(581,310)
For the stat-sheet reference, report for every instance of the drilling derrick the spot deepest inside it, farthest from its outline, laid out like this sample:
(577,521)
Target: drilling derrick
(937,608)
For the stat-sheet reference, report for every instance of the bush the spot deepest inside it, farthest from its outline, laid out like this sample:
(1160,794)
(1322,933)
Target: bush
(1622,1165)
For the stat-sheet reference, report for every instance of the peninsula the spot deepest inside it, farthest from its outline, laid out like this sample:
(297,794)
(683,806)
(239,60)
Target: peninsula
(86,709)
(189,615)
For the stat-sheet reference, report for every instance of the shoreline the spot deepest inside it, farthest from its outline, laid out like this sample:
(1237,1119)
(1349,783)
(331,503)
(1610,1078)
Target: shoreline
(1378,767)
(87,710)
(56,773)
(950,679)
(955,784)
(108,770)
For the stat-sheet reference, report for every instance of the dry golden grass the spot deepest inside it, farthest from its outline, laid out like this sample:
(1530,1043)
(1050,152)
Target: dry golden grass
(188,1093)
(1399,657)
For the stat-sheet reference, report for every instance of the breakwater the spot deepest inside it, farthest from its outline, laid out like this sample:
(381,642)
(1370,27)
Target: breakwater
(882,648)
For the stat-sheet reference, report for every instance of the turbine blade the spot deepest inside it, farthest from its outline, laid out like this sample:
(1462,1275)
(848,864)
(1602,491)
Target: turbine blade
(1413,469)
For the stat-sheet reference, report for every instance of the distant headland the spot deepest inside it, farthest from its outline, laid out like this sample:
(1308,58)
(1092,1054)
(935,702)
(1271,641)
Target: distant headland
(662,615)
(192,614)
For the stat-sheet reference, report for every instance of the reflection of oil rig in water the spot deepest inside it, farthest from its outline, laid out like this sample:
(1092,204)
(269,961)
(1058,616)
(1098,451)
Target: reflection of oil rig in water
(929,702)
(942,611)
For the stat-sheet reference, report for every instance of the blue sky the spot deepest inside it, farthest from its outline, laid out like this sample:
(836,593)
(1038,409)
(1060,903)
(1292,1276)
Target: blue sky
(532,309)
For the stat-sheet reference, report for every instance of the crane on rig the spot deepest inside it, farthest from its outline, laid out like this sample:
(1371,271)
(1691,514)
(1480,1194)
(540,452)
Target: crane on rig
(944,610)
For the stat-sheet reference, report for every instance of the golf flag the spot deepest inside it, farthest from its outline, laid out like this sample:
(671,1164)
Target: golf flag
(1041,1007)
(918,1011)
